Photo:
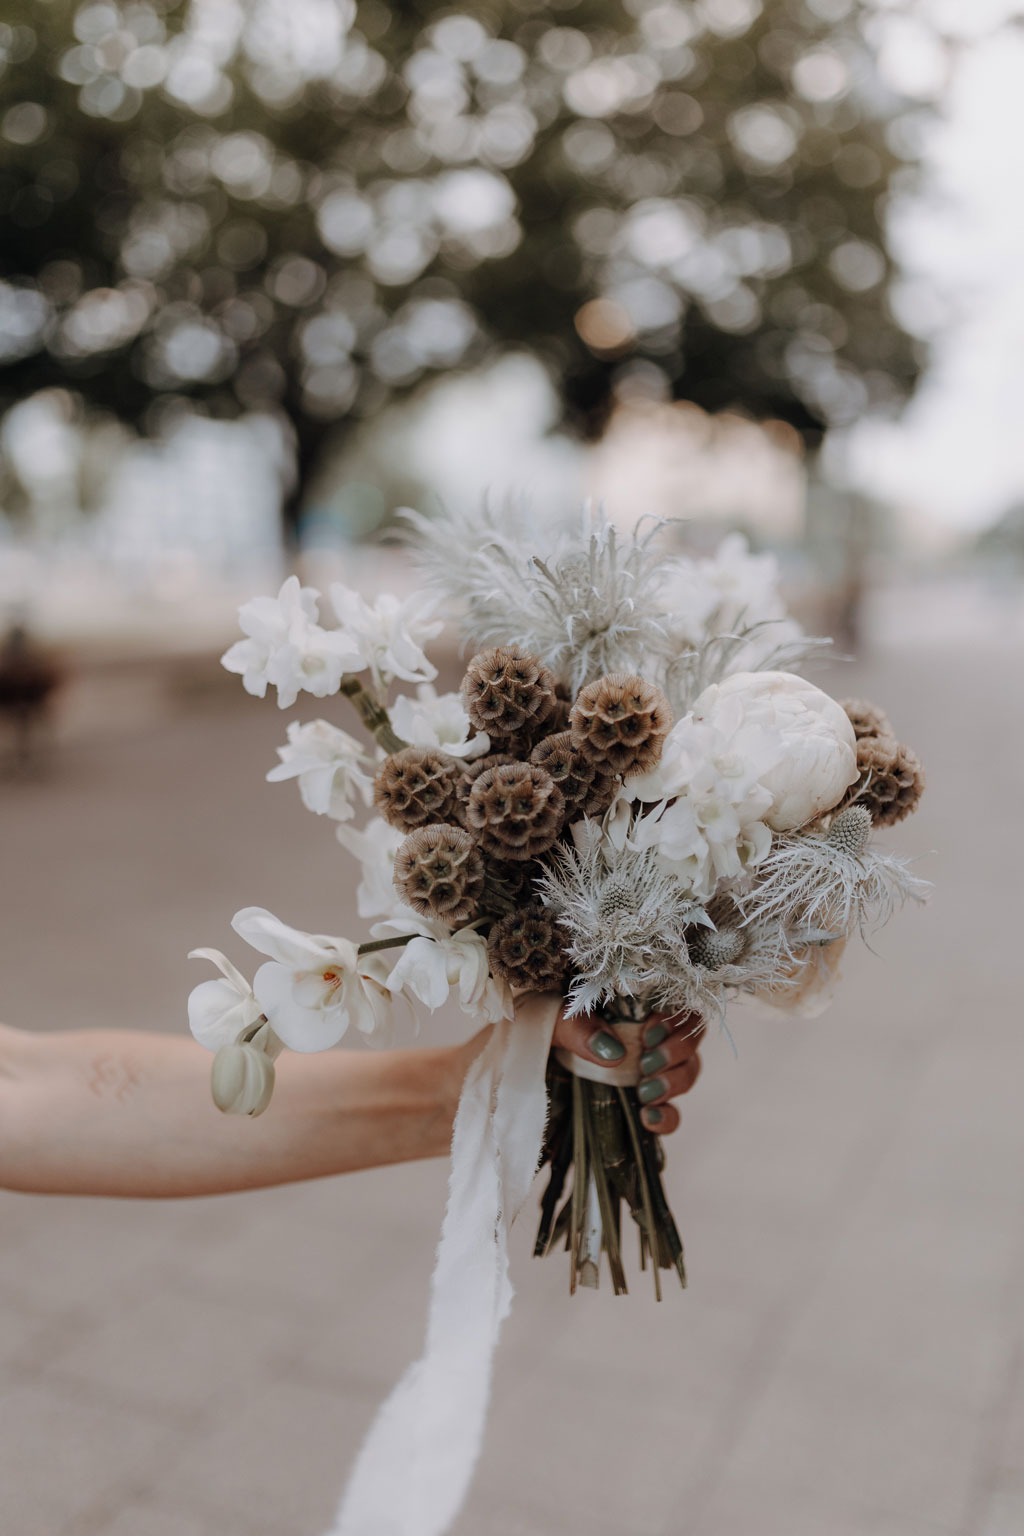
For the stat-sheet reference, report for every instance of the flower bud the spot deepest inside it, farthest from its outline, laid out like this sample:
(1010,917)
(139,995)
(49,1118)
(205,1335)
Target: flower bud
(242,1080)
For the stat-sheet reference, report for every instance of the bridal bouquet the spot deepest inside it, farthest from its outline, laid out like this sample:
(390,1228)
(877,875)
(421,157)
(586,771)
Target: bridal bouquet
(633,803)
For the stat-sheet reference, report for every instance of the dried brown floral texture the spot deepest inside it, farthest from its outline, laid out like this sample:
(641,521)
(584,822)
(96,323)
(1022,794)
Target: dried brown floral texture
(586,790)
(516,811)
(472,771)
(525,949)
(891,779)
(415,787)
(620,722)
(439,871)
(867,719)
(506,690)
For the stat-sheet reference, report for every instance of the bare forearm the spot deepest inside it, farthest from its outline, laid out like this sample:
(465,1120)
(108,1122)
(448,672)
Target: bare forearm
(130,1114)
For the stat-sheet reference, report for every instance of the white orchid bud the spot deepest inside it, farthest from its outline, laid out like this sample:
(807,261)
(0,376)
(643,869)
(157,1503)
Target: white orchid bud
(242,1079)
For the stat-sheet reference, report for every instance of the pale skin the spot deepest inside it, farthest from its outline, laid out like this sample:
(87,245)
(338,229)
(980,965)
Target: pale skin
(126,1113)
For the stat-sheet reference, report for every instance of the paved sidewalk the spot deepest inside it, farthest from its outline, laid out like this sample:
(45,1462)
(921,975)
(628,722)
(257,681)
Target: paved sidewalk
(849,1359)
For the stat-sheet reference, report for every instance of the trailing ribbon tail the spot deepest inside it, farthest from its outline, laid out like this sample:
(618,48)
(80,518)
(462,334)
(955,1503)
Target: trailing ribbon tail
(416,1464)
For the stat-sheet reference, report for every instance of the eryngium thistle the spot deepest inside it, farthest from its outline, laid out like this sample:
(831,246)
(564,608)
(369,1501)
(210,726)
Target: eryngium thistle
(516,811)
(415,787)
(867,719)
(892,780)
(584,596)
(440,873)
(620,723)
(525,949)
(711,948)
(586,790)
(622,918)
(505,689)
(825,886)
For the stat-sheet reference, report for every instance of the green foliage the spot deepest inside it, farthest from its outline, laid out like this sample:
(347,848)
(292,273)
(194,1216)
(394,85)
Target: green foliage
(309,206)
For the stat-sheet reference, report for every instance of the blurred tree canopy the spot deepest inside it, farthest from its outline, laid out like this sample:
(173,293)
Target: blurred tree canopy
(308,206)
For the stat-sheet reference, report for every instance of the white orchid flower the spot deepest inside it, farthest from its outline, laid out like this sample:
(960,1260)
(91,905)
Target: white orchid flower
(219,1011)
(375,847)
(437,720)
(286,646)
(437,962)
(389,635)
(328,764)
(311,989)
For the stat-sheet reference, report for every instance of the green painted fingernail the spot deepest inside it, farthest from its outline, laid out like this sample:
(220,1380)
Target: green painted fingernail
(606,1046)
(656,1034)
(653,1116)
(651,1061)
(653,1089)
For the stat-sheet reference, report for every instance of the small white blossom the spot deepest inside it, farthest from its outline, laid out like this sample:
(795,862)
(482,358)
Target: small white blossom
(709,804)
(437,962)
(329,765)
(375,846)
(437,720)
(390,634)
(219,1011)
(312,988)
(285,646)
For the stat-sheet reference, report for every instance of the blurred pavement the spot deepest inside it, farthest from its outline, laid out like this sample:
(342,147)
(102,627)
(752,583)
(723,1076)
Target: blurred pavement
(849,1358)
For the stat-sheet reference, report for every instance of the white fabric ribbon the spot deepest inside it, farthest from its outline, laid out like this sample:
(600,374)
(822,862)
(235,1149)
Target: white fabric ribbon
(415,1467)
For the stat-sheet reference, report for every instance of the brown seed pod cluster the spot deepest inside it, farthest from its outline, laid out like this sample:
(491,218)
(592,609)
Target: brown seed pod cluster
(525,949)
(506,690)
(439,872)
(586,790)
(415,787)
(867,719)
(892,779)
(472,771)
(516,811)
(620,722)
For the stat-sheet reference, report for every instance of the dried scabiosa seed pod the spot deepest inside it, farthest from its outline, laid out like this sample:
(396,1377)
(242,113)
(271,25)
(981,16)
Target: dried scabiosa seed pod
(892,779)
(867,719)
(472,771)
(516,810)
(580,780)
(506,690)
(415,787)
(440,873)
(525,949)
(620,723)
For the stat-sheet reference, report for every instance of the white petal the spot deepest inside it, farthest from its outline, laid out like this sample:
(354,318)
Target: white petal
(301,1029)
(224,965)
(265,932)
(217,1015)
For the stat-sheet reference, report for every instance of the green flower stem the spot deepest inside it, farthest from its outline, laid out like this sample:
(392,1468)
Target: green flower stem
(371,712)
(372,945)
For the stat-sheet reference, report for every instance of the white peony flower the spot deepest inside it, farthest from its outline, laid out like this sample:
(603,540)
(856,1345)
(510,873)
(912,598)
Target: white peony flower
(313,987)
(389,634)
(375,847)
(434,963)
(707,823)
(819,757)
(328,764)
(219,1011)
(285,646)
(437,720)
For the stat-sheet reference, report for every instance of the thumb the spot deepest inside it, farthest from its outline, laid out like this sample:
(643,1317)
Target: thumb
(591,1038)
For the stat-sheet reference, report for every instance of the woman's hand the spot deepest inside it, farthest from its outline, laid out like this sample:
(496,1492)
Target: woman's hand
(670,1063)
